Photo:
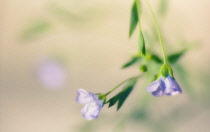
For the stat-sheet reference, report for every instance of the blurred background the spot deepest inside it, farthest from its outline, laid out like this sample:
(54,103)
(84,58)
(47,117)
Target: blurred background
(50,48)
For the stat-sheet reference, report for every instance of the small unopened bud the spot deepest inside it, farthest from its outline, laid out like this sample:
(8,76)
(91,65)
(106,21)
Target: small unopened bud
(166,70)
(143,68)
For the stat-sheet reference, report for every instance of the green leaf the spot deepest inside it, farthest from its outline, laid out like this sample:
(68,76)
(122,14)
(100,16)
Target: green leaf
(173,58)
(112,101)
(141,44)
(156,58)
(148,38)
(35,29)
(163,6)
(122,96)
(131,62)
(65,15)
(134,19)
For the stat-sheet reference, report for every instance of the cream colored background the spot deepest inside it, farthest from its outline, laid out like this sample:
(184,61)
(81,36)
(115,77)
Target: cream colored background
(94,50)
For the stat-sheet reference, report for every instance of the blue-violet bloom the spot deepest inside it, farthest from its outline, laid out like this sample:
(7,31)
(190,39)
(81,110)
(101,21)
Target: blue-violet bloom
(51,74)
(164,86)
(93,104)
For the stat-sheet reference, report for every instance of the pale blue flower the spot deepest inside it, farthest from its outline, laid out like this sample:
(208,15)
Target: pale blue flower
(93,104)
(51,74)
(164,86)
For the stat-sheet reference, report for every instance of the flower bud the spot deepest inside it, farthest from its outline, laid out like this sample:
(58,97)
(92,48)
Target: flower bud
(166,70)
(143,68)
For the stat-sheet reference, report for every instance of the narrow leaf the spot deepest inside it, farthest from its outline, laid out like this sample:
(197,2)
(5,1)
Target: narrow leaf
(163,6)
(173,58)
(122,96)
(125,94)
(133,19)
(156,58)
(141,44)
(131,62)
(113,101)
(65,15)
(35,29)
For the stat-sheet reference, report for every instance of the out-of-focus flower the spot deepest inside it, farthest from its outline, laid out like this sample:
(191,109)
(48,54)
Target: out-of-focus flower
(93,104)
(164,86)
(51,74)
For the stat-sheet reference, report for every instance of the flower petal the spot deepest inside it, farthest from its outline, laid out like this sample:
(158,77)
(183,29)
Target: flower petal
(153,86)
(157,87)
(159,92)
(92,110)
(172,87)
(84,97)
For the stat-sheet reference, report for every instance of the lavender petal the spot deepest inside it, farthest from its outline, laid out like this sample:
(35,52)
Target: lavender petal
(172,87)
(84,97)
(153,86)
(92,110)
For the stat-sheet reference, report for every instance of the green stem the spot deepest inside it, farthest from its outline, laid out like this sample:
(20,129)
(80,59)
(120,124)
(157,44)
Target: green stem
(121,84)
(158,31)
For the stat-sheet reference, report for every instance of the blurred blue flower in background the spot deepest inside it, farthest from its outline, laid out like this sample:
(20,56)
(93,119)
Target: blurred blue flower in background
(93,104)
(164,86)
(51,74)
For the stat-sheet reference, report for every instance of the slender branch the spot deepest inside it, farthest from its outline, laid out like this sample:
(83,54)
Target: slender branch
(158,31)
(121,84)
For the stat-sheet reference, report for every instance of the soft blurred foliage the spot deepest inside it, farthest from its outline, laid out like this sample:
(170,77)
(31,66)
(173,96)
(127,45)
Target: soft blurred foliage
(85,44)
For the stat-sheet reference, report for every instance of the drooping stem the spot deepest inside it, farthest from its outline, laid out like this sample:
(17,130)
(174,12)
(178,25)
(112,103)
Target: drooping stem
(121,84)
(158,31)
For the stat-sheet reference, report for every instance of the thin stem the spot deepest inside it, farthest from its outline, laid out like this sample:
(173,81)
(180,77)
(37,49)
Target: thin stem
(158,30)
(121,84)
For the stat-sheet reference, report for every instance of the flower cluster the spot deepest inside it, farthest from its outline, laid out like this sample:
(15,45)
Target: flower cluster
(164,86)
(92,103)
